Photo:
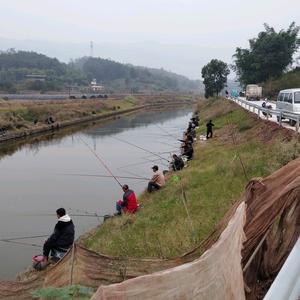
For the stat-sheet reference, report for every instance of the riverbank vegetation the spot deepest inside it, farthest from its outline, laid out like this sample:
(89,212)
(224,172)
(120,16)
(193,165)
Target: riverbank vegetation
(243,147)
(18,116)
(269,55)
(289,80)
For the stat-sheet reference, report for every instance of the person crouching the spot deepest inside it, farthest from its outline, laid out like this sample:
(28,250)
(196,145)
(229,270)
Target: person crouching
(177,163)
(128,204)
(63,236)
(157,180)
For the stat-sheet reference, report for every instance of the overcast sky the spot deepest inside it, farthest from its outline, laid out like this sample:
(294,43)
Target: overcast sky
(178,35)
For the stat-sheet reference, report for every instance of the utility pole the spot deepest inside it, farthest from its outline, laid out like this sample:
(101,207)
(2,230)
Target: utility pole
(91,49)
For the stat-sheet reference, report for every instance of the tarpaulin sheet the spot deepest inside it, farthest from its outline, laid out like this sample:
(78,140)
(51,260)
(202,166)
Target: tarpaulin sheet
(217,274)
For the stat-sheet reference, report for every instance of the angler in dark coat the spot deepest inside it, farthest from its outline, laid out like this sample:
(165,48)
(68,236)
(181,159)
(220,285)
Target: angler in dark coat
(188,151)
(209,132)
(195,121)
(177,163)
(63,236)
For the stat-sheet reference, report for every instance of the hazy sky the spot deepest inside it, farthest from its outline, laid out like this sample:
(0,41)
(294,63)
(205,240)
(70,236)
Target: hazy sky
(178,35)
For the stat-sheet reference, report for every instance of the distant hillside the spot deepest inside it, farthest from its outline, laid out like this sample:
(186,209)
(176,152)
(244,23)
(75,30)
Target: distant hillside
(17,68)
(286,81)
(125,77)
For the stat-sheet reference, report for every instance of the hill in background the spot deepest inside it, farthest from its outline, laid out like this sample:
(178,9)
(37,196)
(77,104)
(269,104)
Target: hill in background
(24,70)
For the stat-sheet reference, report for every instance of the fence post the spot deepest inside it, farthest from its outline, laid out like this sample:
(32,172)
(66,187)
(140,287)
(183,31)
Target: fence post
(267,114)
(297,124)
(280,119)
(258,113)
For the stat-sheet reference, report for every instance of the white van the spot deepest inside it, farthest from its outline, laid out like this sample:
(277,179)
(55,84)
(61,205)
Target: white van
(289,101)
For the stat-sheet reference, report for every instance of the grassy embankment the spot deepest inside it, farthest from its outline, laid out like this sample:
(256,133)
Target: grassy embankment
(19,116)
(213,181)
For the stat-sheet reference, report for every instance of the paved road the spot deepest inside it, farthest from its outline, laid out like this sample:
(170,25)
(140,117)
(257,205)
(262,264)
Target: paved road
(273,118)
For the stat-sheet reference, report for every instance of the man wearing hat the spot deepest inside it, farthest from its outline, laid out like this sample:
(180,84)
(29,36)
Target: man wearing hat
(157,180)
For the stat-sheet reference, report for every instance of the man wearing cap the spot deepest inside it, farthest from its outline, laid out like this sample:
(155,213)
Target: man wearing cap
(157,180)
(128,204)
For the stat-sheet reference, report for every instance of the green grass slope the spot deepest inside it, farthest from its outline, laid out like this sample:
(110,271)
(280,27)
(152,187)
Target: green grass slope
(212,182)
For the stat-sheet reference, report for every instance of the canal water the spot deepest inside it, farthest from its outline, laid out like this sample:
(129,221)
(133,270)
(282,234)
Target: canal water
(39,177)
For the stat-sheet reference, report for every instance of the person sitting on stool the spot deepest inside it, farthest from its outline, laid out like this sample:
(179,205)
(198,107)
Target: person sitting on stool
(63,236)
(157,180)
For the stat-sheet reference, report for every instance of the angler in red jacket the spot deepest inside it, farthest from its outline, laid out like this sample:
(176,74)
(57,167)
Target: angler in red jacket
(128,204)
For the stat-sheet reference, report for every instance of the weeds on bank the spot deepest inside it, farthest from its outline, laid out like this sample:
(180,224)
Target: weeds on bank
(25,114)
(213,181)
(76,292)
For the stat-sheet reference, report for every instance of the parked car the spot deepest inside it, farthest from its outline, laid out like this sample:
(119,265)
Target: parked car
(289,101)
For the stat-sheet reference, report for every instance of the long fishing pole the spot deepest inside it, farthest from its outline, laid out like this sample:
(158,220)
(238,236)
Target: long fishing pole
(163,152)
(104,176)
(15,240)
(102,162)
(74,215)
(166,131)
(167,144)
(140,163)
(21,243)
(134,174)
(24,237)
(146,150)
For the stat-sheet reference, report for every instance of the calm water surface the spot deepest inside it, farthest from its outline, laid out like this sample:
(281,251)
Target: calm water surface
(34,183)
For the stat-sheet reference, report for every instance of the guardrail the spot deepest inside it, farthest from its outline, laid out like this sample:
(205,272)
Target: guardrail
(259,110)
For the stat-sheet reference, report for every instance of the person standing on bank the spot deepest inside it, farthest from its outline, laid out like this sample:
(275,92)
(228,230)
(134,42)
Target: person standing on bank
(209,132)
(128,204)
(63,236)
(157,180)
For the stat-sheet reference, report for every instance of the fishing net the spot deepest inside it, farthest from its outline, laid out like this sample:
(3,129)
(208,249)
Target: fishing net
(272,210)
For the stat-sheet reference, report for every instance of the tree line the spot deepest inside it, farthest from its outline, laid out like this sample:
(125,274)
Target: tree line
(269,56)
(15,66)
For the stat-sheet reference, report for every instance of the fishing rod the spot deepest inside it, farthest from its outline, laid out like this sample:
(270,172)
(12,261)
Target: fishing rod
(140,163)
(163,152)
(15,240)
(105,176)
(24,237)
(166,131)
(131,144)
(101,161)
(166,144)
(21,243)
(75,215)
(134,174)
